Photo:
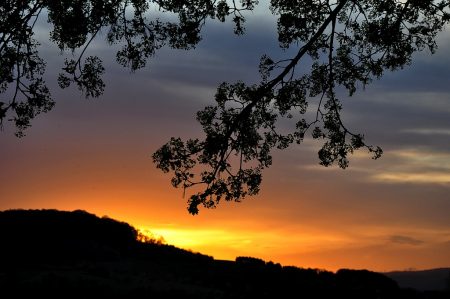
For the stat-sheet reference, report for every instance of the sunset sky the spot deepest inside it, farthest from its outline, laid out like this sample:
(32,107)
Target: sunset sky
(95,155)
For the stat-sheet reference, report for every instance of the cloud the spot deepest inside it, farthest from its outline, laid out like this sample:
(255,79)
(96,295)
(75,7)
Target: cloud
(416,166)
(428,131)
(403,177)
(405,240)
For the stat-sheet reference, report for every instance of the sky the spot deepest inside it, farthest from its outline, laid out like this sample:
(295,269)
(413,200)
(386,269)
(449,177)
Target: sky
(95,155)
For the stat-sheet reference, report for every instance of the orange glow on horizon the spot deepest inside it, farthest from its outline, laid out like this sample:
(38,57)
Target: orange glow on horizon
(293,221)
(313,250)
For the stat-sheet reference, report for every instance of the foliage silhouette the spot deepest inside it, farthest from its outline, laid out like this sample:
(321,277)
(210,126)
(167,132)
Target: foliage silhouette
(346,44)
(57,254)
(126,22)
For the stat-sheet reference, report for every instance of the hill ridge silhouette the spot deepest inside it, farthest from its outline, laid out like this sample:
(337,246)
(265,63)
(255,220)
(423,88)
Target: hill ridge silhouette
(62,254)
(423,280)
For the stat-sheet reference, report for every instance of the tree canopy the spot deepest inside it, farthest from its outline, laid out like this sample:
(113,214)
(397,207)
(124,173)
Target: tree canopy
(344,45)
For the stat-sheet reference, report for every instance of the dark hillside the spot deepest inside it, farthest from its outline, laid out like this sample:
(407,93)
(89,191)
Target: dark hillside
(425,280)
(46,235)
(55,254)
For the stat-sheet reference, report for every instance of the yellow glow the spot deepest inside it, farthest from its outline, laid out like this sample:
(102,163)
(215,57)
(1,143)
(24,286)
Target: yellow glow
(228,244)
(361,248)
(188,239)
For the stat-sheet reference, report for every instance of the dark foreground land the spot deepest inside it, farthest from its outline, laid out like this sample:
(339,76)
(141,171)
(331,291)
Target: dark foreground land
(55,254)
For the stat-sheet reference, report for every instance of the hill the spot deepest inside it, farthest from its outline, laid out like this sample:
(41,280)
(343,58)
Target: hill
(58,254)
(425,280)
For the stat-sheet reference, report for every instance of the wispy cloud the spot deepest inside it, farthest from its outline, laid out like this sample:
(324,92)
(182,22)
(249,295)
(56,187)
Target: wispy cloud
(404,177)
(426,131)
(416,166)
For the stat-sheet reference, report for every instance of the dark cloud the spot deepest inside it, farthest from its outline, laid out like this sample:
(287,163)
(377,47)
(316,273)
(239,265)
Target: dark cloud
(405,240)
(398,120)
